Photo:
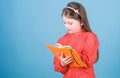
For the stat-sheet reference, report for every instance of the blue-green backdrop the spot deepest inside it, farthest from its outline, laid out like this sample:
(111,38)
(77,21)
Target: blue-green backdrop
(27,25)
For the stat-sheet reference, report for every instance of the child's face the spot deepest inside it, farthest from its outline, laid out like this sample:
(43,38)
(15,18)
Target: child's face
(71,25)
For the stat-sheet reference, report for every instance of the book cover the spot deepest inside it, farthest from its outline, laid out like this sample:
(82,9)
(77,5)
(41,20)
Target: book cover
(67,51)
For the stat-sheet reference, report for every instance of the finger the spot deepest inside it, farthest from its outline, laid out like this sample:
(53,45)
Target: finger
(68,57)
(59,45)
(68,61)
(65,62)
(57,54)
(61,56)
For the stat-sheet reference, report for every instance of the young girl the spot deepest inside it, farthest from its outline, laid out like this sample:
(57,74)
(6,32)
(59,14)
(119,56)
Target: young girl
(81,38)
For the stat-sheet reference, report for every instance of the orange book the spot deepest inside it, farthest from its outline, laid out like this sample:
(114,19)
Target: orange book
(67,51)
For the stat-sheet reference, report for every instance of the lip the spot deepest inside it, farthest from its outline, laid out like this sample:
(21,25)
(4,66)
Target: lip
(68,30)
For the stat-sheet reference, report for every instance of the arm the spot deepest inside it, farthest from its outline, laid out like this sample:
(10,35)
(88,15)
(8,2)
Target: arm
(57,62)
(58,67)
(61,65)
(89,52)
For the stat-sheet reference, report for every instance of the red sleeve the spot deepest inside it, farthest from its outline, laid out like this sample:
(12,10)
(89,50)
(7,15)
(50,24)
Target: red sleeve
(89,53)
(58,67)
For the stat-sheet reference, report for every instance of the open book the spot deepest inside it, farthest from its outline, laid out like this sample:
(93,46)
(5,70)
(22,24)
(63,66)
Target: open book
(67,51)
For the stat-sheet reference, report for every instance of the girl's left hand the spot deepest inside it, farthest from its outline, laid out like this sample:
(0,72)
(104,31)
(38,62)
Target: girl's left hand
(65,60)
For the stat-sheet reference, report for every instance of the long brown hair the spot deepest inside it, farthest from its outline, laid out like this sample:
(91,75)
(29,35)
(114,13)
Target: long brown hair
(82,16)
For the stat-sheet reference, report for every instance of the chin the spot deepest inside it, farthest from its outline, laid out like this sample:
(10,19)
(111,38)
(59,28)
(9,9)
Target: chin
(70,32)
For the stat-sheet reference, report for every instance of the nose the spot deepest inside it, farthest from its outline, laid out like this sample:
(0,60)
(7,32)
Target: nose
(67,26)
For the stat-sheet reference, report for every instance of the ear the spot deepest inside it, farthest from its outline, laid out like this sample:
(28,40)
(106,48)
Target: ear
(81,23)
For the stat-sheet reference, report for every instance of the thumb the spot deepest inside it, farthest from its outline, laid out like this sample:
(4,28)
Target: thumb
(61,56)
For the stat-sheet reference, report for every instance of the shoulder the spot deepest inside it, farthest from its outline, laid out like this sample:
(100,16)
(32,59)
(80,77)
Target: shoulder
(91,35)
(91,38)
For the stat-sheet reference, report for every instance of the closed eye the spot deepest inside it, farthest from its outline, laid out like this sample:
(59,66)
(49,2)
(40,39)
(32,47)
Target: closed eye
(70,23)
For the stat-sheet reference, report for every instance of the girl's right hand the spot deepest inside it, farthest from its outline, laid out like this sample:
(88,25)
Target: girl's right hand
(59,45)
(64,61)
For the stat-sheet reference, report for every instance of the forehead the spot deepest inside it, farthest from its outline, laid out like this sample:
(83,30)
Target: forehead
(66,19)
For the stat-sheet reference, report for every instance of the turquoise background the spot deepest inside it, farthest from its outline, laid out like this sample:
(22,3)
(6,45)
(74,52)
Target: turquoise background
(27,25)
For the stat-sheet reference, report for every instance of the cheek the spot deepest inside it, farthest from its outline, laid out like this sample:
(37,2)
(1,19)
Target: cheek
(77,26)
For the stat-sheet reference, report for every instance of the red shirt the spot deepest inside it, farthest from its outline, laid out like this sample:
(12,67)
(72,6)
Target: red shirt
(86,45)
